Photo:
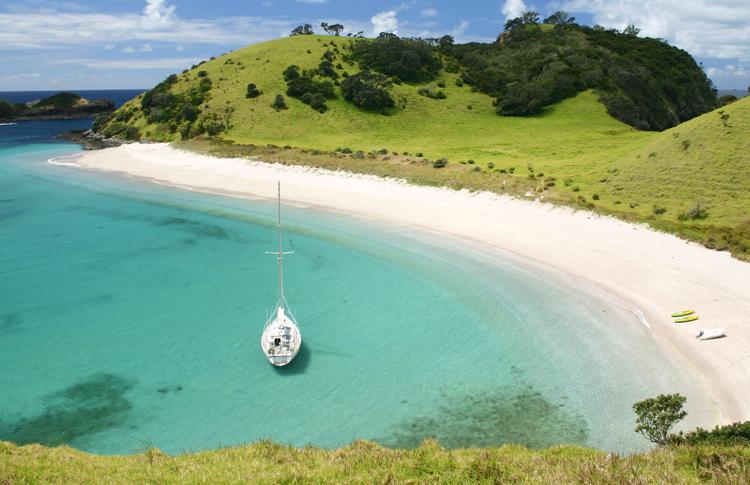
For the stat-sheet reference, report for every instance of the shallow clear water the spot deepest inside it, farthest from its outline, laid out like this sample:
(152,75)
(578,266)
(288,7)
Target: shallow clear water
(131,315)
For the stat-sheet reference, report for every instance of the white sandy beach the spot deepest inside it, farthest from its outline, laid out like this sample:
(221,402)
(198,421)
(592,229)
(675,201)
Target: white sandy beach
(651,273)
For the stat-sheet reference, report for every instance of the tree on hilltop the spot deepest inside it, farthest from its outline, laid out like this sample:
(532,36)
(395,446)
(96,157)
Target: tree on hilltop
(560,18)
(332,29)
(305,29)
(631,30)
(530,17)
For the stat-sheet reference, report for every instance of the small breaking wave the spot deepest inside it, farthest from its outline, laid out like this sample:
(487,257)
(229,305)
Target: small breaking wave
(64,161)
(8,124)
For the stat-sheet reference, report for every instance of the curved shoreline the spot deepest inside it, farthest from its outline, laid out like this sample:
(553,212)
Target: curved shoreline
(650,272)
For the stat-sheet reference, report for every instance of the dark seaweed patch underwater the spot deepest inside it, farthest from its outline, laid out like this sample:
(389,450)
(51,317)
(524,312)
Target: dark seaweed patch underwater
(468,419)
(82,409)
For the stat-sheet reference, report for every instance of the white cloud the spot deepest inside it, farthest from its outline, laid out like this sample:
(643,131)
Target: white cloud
(513,8)
(127,50)
(384,22)
(146,48)
(53,31)
(460,28)
(729,70)
(158,15)
(167,63)
(24,76)
(429,12)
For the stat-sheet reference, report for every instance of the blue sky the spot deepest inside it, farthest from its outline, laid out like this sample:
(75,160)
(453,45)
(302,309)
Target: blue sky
(83,44)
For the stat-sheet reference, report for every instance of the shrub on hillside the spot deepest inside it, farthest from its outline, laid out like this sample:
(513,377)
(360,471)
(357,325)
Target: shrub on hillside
(188,112)
(279,103)
(735,434)
(205,85)
(309,91)
(252,91)
(99,121)
(432,92)
(368,90)
(727,99)
(440,163)
(131,133)
(316,101)
(519,100)
(698,211)
(291,72)
(325,69)
(411,60)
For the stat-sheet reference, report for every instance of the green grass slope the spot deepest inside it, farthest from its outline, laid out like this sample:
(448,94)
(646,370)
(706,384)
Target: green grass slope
(574,152)
(462,126)
(704,161)
(364,462)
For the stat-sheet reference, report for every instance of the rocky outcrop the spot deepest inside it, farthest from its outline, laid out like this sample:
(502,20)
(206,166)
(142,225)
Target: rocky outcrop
(90,140)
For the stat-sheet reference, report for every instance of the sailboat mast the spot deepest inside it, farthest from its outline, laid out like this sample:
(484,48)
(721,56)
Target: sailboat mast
(280,257)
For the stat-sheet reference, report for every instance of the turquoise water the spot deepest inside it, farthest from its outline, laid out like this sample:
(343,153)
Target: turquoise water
(131,316)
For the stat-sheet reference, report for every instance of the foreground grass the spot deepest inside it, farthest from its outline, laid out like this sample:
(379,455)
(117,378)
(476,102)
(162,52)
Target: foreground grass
(573,153)
(365,462)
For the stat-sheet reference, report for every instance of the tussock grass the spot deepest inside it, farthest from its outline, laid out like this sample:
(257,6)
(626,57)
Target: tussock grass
(366,462)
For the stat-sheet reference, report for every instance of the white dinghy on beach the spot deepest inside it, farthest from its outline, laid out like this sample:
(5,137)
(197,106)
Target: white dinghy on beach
(281,339)
(711,334)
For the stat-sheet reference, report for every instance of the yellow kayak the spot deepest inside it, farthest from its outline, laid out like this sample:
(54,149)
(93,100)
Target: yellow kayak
(683,313)
(690,318)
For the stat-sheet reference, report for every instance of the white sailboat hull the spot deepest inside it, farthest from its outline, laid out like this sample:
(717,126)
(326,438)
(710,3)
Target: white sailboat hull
(281,339)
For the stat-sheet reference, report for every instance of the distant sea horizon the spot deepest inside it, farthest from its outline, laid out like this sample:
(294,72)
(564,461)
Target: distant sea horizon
(118,96)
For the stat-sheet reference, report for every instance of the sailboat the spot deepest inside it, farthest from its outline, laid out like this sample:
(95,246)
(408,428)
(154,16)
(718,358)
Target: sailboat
(281,339)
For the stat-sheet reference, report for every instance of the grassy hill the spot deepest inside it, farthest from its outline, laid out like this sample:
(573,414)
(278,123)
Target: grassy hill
(364,462)
(573,152)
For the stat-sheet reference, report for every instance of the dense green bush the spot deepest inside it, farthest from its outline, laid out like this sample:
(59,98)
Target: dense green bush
(411,60)
(735,434)
(189,112)
(316,101)
(279,103)
(100,121)
(368,90)
(325,69)
(656,416)
(205,85)
(432,92)
(252,91)
(131,133)
(308,90)
(643,82)
(291,72)
(440,163)
(6,110)
(521,99)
